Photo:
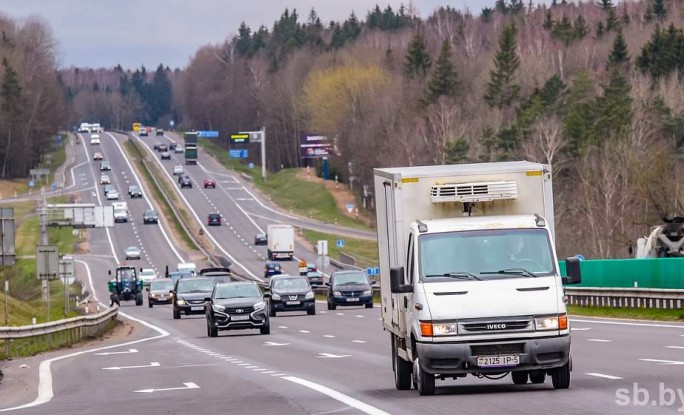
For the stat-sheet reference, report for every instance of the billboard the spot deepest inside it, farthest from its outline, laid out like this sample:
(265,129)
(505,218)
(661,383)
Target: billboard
(314,146)
(239,138)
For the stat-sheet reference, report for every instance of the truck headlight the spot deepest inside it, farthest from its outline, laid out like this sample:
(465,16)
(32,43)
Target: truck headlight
(553,322)
(180,302)
(259,306)
(430,329)
(275,296)
(309,295)
(219,308)
(368,292)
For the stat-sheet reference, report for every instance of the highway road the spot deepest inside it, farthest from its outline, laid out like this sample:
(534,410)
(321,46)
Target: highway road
(333,362)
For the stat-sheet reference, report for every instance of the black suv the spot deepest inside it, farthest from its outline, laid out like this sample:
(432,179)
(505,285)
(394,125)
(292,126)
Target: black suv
(349,288)
(134,192)
(290,293)
(150,216)
(189,294)
(185,182)
(235,306)
(272,268)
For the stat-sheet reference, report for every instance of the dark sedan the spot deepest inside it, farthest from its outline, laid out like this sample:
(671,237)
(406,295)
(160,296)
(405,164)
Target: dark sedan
(189,295)
(184,182)
(290,293)
(159,291)
(214,219)
(272,268)
(261,239)
(236,306)
(165,155)
(150,216)
(134,192)
(349,288)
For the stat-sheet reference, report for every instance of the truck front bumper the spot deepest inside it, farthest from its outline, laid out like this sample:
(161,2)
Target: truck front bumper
(461,358)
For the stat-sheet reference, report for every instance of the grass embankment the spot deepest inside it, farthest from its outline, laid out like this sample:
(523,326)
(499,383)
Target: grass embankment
(285,189)
(628,313)
(156,183)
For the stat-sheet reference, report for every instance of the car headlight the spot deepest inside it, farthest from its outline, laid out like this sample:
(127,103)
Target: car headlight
(180,302)
(309,295)
(259,306)
(275,296)
(217,307)
(337,294)
(368,292)
(553,322)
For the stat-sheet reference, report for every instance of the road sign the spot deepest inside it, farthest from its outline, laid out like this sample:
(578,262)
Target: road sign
(53,186)
(171,123)
(340,243)
(208,134)
(47,262)
(7,235)
(350,207)
(39,172)
(322,248)
(239,138)
(239,153)
(371,271)
(32,183)
(322,261)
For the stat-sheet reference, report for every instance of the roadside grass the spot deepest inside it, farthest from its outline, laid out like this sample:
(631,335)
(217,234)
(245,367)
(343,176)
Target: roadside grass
(156,183)
(628,313)
(285,189)
(364,251)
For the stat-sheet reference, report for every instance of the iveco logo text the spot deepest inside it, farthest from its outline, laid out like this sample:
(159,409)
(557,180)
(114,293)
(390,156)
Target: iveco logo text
(499,326)
(239,310)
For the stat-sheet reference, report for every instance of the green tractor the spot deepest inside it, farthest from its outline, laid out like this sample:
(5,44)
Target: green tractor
(125,286)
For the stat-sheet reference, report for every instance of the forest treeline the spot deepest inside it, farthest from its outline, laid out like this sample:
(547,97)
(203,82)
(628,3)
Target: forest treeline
(593,88)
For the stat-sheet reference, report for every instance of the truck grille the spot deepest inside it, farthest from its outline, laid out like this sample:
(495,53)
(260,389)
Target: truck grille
(497,349)
(496,326)
(473,192)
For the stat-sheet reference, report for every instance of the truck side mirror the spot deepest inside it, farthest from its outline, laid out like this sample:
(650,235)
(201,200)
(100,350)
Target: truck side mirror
(572,266)
(397,285)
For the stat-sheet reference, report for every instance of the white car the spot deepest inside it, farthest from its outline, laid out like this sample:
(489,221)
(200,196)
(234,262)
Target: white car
(113,194)
(104,179)
(147,275)
(133,252)
(178,169)
(178,149)
(95,139)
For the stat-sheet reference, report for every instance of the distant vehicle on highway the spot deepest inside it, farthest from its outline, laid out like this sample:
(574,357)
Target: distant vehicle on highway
(209,183)
(163,147)
(236,306)
(160,131)
(214,219)
(105,166)
(184,182)
(150,216)
(260,239)
(108,188)
(156,146)
(133,252)
(189,295)
(147,275)
(95,139)
(159,291)
(178,169)
(272,268)
(349,288)
(134,192)
(143,132)
(290,293)
(165,155)
(219,274)
(104,179)
(97,156)
(183,176)
(176,275)
(315,278)
(172,146)
(113,194)
(178,149)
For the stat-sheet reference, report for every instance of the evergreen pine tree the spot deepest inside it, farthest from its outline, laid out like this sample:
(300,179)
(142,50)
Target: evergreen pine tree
(548,20)
(581,27)
(605,4)
(612,21)
(456,151)
(502,90)
(444,80)
(619,55)
(418,60)
(614,107)
(564,31)
(486,15)
(600,29)
(659,10)
(10,90)
(501,6)
(243,44)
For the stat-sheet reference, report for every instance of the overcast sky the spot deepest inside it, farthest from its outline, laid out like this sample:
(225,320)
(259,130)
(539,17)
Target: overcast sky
(103,33)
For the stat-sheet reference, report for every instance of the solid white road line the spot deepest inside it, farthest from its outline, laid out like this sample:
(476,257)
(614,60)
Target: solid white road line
(625,323)
(346,399)
(599,340)
(674,347)
(663,362)
(601,375)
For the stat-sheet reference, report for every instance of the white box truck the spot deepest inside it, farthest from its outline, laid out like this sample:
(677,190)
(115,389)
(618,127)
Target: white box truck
(469,275)
(280,241)
(120,211)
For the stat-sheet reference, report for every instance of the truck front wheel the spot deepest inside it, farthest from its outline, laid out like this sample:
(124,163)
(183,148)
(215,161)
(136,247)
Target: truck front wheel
(402,370)
(425,382)
(519,378)
(561,377)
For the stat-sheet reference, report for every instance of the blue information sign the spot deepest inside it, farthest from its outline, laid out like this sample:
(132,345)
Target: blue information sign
(208,134)
(54,186)
(32,183)
(340,243)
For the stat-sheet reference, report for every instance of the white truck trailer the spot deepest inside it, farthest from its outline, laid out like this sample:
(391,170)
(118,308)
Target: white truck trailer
(280,241)
(469,276)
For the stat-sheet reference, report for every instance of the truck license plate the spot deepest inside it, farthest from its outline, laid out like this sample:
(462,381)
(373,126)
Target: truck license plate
(197,308)
(239,318)
(498,361)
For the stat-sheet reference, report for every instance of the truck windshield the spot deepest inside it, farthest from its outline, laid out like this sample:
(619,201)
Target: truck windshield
(486,254)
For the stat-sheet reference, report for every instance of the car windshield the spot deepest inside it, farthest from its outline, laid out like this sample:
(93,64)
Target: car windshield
(147,273)
(485,254)
(132,249)
(161,285)
(194,285)
(150,213)
(351,278)
(290,284)
(126,273)
(225,291)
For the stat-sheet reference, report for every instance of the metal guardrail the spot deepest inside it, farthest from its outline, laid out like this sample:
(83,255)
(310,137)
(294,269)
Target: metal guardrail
(28,340)
(625,297)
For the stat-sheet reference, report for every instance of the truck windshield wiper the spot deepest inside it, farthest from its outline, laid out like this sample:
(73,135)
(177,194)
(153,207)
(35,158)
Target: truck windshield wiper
(509,271)
(459,275)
